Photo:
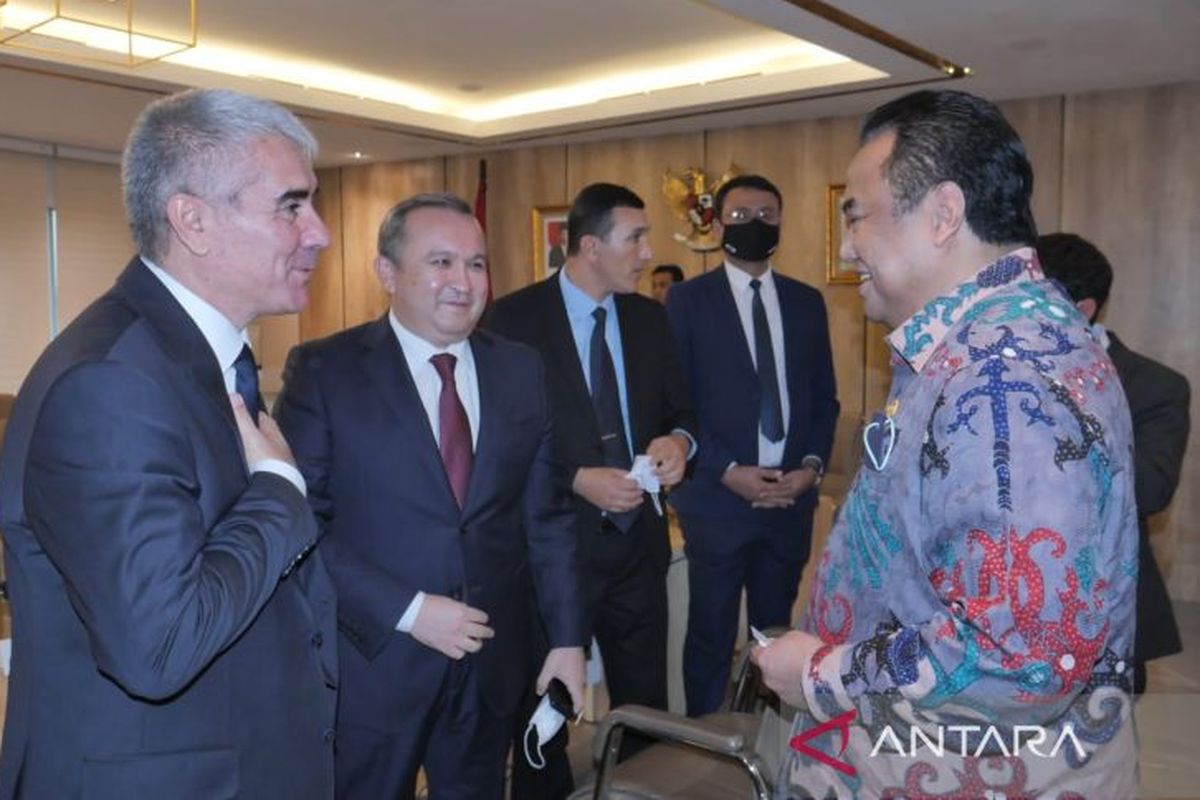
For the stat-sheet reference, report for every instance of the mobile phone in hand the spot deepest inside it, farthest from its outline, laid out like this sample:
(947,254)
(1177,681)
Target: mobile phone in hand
(560,698)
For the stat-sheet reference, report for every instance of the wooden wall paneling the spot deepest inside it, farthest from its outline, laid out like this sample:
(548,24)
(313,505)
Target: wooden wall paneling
(24,265)
(1130,186)
(94,242)
(1038,122)
(325,313)
(802,158)
(276,336)
(518,180)
(368,192)
(640,164)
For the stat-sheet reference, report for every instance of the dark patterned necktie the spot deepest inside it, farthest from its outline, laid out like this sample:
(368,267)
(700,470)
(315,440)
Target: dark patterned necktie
(454,429)
(770,410)
(245,382)
(606,400)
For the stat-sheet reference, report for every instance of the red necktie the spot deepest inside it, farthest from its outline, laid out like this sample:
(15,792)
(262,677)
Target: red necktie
(454,429)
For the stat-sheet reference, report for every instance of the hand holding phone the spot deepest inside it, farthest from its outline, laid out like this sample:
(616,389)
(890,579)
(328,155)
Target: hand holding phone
(560,698)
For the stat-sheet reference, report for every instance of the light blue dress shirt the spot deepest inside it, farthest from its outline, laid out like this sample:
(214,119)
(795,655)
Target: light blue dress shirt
(579,307)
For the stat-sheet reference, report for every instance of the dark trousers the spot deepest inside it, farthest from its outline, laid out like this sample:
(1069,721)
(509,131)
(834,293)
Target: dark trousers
(452,734)
(627,608)
(724,556)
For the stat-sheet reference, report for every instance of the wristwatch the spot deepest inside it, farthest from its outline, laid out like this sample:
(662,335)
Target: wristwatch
(814,463)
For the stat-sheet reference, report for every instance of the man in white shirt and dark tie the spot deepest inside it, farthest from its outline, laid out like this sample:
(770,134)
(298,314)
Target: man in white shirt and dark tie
(755,349)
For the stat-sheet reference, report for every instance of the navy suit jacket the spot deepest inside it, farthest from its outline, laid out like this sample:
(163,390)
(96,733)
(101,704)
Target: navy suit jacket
(351,412)
(156,650)
(720,371)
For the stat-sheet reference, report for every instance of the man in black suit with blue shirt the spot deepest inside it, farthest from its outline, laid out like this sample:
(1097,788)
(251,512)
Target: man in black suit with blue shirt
(617,392)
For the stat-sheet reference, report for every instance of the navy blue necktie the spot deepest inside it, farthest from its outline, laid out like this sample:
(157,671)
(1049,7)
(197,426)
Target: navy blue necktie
(245,381)
(770,410)
(606,400)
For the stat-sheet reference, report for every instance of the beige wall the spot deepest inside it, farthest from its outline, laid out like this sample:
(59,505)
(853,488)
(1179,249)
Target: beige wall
(1116,167)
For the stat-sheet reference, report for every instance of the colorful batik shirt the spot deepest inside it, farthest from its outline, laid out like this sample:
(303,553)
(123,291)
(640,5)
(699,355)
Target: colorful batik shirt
(979,582)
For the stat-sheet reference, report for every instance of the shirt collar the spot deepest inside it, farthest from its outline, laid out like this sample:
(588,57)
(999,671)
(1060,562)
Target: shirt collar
(225,340)
(418,351)
(918,337)
(579,303)
(739,279)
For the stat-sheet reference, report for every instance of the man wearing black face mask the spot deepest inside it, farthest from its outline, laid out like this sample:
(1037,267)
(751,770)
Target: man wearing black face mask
(755,348)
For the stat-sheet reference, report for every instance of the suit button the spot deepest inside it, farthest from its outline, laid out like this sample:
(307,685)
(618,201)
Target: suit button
(317,639)
(328,736)
(462,529)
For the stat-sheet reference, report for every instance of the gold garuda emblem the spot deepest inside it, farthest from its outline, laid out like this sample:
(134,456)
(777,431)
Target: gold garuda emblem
(690,196)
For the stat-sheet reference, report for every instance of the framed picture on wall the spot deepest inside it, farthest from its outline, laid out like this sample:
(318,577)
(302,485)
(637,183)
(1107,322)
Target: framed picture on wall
(836,270)
(549,240)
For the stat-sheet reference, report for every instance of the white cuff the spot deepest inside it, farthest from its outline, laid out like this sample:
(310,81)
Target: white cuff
(283,470)
(405,625)
(692,446)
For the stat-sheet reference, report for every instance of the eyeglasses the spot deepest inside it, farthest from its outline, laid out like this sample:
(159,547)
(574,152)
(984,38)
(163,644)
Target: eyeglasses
(765,213)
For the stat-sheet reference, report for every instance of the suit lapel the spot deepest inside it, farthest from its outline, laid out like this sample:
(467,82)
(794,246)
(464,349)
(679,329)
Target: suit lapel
(492,411)
(387,369)
(726,318)
(637,381)
(562,357)
(186,348)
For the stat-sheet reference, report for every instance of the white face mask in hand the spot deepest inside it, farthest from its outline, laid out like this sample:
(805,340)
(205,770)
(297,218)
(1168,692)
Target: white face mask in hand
(543,726)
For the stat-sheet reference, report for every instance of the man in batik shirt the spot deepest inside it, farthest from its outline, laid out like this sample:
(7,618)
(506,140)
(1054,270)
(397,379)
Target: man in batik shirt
(979,583)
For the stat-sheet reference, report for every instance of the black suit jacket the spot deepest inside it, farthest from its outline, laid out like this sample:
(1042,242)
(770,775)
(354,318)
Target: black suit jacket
(717,362)
(156,651)
(657,397)
(1159,399)
(351,412)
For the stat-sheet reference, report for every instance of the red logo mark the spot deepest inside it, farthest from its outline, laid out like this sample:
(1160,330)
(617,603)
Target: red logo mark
(842,724)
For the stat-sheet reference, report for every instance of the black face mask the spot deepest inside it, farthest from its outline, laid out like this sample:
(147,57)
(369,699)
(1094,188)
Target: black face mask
(752,241)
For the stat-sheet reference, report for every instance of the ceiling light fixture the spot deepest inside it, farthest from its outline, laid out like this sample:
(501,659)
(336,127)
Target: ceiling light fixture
(106,32)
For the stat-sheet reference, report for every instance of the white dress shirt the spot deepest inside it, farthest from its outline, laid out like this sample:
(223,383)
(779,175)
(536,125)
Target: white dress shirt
(770,454)
(226,342)
(417,353)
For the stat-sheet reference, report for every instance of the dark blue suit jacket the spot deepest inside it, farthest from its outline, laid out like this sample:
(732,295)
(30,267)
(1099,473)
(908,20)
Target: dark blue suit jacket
(725,391)
(351,412)
(156,651)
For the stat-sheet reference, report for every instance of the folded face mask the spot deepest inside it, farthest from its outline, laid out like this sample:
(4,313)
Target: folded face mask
(546,722)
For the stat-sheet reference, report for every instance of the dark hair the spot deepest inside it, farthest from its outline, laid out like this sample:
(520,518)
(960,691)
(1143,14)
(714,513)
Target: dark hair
(1078,265)
(591,213)
(674,270)
(744,182)
(391,230)
(955,136)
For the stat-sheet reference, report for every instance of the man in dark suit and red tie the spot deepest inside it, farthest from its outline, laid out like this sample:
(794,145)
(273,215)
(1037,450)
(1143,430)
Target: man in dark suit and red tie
(427,447)
(617,392)
(172,632)
(755,349)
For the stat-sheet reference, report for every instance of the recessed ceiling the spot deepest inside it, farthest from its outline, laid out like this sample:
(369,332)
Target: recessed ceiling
(466,74)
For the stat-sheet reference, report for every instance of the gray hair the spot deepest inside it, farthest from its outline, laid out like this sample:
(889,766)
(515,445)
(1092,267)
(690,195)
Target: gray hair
(391,230)
(190,142)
